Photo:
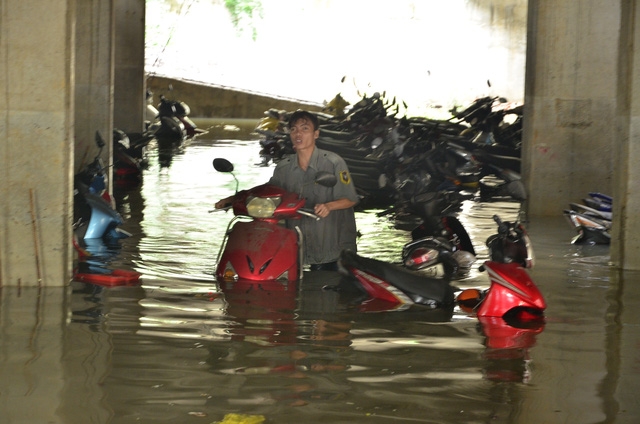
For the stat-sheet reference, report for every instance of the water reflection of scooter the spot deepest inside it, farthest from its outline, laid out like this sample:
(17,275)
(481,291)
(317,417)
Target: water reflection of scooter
(277,331)
(507,348)
(263,314)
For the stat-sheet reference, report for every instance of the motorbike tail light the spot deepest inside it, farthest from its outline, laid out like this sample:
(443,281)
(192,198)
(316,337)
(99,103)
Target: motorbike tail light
(230,274)
(262,207)
(422,257)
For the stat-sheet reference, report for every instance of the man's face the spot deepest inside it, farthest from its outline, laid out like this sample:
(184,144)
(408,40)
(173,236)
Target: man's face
(303,136)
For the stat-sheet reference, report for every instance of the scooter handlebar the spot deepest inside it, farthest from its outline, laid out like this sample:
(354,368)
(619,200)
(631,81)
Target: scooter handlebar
(503,228)
(309,213)
(226,208)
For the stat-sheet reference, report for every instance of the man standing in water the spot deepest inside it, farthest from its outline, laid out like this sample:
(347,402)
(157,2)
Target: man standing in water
(324,239)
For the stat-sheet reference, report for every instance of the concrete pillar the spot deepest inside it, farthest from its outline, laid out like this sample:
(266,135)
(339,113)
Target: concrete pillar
(129,88)
(93,80)
(37,56)
(625,247)
(571,93)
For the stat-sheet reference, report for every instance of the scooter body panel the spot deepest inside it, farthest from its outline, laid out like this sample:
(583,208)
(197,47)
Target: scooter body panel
(287,208)
(103,217)
(511,287)
(261,250)
(395,284)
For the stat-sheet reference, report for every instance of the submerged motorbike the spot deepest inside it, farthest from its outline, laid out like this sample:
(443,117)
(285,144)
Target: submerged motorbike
(94,214)
(440,247)
(128,159)
(393,287)
(256,246)
(591,220)
(96,227)
(590,228)
(172,124)
(511,294)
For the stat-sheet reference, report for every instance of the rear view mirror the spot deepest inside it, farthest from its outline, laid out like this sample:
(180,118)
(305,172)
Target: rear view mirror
(222,165)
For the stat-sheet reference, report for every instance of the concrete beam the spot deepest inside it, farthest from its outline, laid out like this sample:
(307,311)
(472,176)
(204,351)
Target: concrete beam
(210,101)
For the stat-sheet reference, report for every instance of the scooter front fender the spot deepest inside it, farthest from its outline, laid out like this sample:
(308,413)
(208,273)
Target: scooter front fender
(260,251)
(103,217)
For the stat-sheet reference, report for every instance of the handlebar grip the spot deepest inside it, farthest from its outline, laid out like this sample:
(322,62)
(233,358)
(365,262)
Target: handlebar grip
(307,212)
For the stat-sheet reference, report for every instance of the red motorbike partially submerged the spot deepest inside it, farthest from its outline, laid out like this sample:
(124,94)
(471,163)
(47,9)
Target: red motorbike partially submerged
(257,246)
(511,295)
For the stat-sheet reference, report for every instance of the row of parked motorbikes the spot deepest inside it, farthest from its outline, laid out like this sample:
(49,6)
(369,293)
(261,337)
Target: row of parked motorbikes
(415,166)
(96,220)
(168,125)
(276,257)
(418,167)
(439,252)
(261,261)
(439,241)
(420,171)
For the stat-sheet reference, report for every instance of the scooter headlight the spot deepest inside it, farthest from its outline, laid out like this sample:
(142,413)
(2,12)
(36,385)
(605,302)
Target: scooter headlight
(262,207)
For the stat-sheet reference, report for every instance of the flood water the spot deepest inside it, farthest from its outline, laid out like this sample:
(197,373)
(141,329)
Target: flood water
(175,349)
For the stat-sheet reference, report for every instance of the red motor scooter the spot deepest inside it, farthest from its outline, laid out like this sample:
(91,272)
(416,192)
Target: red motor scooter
(511,294)
(256,245)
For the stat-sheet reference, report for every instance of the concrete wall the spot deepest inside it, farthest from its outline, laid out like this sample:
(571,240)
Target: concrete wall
(36,141)
(209,101)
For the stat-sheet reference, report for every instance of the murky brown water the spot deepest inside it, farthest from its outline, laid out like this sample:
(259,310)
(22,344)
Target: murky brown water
(176,350)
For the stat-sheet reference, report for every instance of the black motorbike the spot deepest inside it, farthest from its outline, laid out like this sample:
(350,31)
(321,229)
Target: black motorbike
(173,125)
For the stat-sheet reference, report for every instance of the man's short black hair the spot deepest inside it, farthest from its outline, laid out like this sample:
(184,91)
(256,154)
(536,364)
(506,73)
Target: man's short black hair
(305,115)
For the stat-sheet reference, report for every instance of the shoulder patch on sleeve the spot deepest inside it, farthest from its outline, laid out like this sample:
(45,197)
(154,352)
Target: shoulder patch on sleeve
(345,178)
